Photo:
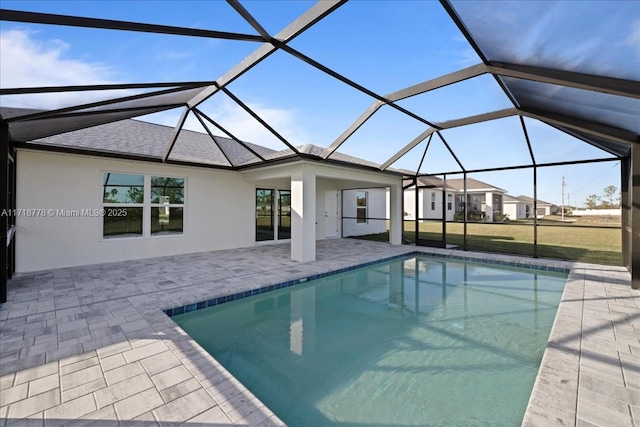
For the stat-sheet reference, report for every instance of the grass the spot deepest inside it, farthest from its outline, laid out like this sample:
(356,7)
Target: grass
(581,240)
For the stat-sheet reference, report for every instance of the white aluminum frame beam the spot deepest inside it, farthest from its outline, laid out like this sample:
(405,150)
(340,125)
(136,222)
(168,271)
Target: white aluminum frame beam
(438,82)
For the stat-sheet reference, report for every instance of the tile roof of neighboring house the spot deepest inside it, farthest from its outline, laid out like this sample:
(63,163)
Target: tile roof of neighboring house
(472,185)
(528,199)
(524,199)
(506,198)
(456,185)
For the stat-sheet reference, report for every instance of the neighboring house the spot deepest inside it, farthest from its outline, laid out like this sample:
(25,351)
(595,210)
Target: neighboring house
(521,207)
(484,201)
(546,208)
(102,194)
(518,207)
(543,208)
(430,199)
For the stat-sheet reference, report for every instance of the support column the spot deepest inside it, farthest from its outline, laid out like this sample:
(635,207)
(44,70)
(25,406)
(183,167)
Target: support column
(635,216)
(4,205)
(625,204)
(488,206)
(303,215)
(396,214)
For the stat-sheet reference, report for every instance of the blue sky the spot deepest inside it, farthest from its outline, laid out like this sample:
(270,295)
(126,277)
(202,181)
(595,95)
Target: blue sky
(383,45)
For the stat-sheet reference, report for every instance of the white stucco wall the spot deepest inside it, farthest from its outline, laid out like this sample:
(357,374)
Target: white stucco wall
(219,208)
(517,210)
(596,212)
(219,212)
(427,212)
(409,198)
(543,211)
(513,210)
(424,204)
(376,208)
(488,200)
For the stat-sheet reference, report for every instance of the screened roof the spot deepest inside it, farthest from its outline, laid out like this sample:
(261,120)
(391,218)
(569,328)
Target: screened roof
(571,67)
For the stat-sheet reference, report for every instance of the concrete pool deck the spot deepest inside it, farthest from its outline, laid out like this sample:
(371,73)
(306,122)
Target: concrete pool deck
(91,345)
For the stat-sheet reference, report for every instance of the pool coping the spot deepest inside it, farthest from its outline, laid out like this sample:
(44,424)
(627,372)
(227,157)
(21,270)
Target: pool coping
(213,301)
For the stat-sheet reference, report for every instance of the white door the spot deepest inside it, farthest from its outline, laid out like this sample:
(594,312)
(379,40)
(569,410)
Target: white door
(331,214)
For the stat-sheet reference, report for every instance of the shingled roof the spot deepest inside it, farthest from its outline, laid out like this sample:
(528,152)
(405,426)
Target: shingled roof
(149,140)
(473,184)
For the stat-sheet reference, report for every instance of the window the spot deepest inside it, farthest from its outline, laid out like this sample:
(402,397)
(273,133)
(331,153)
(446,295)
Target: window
(122,199)
(139,205)
(449,201)
(433,201)
(361,207)
(167,205)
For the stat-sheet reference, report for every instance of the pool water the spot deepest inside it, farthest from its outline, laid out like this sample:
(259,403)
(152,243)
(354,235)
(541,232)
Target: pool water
(412,342)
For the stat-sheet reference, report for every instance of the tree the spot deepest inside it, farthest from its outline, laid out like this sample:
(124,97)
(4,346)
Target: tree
(592,201)
(612,195)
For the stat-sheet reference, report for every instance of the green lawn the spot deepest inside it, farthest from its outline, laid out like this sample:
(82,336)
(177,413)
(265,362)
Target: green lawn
(577,241)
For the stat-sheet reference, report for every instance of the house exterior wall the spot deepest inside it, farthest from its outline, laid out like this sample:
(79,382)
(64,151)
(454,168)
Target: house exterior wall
(431,210)
(425,210)
(376,208)
(489,208)
(513,210)
(518,210)
(409,203)
(543,211)
(218,214)
(219,208)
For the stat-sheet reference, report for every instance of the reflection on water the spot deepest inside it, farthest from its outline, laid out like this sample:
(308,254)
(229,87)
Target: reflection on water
(409,342)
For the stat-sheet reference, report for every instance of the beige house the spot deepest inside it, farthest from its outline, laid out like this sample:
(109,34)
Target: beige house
(94,205)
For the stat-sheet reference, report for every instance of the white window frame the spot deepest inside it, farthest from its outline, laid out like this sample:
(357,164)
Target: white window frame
(182,205)
(146,206)
(365,207)
(104,205)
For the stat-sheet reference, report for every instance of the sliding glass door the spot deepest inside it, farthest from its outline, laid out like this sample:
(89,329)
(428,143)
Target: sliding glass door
(284,214)
(264,214)
(268,226)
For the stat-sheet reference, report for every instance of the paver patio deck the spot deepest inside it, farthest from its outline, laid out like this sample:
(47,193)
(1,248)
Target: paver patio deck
(91,346)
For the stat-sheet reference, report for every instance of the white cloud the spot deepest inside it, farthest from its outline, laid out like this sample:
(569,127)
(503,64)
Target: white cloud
(26,61)
(633,39)
(233,118)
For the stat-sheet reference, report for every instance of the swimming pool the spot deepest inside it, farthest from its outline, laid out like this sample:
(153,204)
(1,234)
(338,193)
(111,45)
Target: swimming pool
(417,341)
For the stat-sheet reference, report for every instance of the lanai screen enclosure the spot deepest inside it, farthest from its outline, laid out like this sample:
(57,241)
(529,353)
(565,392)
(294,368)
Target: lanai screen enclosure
(568,67)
